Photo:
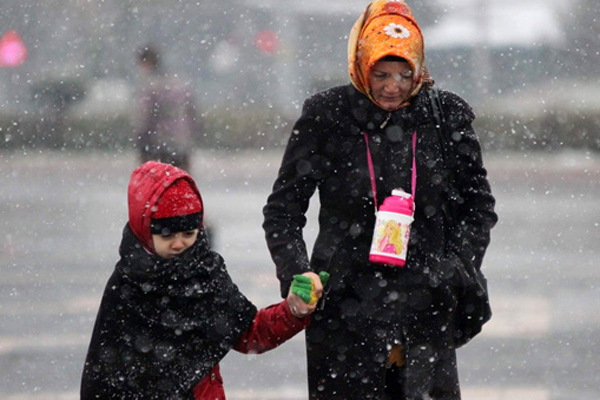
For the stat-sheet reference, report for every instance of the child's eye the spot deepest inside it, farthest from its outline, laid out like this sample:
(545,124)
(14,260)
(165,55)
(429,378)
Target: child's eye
(190,233)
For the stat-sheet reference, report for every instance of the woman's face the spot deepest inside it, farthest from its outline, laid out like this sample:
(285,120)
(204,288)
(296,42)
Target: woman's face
(391,83)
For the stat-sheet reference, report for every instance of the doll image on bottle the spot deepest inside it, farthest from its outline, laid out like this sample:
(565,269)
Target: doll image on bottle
(390,238)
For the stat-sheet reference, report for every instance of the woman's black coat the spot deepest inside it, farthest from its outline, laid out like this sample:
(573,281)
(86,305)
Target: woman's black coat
(327,150)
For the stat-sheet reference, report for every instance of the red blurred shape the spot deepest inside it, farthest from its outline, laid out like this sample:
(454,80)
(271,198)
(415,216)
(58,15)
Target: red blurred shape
(12,50)
(266,41)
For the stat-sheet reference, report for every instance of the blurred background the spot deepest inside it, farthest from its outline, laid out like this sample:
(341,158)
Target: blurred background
(527,68)
(68,83)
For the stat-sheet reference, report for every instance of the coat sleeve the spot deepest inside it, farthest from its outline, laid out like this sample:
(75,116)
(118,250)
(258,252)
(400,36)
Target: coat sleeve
(272,326)
(473,202)
(284,213)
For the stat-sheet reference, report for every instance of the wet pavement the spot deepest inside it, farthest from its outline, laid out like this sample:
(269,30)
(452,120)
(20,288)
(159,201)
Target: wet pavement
(61,216)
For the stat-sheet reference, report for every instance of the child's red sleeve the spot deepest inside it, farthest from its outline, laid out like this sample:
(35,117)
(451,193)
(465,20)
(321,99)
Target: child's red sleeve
(271,327)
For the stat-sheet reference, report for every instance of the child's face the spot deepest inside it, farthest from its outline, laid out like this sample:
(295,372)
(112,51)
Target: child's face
(171,245)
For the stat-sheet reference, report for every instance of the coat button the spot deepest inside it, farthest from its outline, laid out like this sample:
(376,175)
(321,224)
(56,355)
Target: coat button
(213,376)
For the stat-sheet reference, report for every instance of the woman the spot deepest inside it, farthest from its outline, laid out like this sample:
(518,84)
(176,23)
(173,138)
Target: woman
(382,332)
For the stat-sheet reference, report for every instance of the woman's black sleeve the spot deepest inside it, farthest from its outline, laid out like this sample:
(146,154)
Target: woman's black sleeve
(284,213)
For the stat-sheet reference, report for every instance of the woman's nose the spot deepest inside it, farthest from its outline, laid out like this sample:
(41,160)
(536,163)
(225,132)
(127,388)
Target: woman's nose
(392,86)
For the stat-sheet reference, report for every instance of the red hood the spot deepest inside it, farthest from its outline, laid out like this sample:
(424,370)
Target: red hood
(148,182)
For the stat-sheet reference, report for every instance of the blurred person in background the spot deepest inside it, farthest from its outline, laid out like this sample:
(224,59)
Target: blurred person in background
(166,119)
(382,332)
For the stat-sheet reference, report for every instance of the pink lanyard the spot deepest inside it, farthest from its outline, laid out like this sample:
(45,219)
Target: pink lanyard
(372,170)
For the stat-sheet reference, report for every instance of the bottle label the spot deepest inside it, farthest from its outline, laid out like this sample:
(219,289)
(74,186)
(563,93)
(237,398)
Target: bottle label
(390,238)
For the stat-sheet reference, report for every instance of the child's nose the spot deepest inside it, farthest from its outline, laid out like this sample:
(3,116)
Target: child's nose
(177,243)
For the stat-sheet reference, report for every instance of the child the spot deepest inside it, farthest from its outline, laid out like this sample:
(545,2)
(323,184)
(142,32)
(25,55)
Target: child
(170,311)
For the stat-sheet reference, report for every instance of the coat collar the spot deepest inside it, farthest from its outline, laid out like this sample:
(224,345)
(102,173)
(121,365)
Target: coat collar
(371,118)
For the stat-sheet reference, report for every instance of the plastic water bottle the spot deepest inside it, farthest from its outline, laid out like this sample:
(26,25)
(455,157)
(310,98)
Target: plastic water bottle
(392,229)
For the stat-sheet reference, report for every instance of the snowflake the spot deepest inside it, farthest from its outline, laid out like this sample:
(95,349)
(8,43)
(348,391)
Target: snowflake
(396,31)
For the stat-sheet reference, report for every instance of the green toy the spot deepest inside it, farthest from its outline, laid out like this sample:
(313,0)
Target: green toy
(303,287)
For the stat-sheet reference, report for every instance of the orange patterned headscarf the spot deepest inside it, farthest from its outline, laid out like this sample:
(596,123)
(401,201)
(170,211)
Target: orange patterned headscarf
(385,28)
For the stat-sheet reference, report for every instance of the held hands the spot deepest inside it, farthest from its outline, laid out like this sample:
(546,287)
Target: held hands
(305,291)
(304,287)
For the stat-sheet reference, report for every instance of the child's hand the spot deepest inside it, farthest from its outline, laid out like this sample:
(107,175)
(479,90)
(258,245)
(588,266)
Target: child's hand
(307,288)
(304,287)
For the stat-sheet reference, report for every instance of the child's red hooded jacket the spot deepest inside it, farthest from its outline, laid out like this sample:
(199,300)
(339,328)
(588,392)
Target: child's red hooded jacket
(164,324)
